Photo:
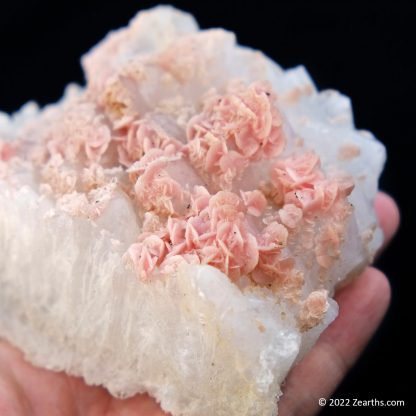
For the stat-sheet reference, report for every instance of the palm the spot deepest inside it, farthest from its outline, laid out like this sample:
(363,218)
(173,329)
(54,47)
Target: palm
(27,390)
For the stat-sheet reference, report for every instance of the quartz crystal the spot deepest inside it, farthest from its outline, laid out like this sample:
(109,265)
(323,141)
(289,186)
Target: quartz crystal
(178,225)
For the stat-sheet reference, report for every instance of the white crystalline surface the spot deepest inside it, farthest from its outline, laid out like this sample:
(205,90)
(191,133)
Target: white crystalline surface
(178,226)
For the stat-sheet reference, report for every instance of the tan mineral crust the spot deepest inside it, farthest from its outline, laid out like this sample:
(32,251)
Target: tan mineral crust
(178,225)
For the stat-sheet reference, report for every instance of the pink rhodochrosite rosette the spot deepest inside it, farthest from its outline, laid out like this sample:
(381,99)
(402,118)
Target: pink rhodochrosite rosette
(178,225)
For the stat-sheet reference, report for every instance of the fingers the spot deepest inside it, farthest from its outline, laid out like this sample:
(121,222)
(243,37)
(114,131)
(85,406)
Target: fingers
(36,384)
(26,390)
(141,404)
(363,304)
(13,401)
(388,215)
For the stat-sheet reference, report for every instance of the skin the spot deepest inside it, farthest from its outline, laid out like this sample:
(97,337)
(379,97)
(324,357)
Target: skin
(28,390)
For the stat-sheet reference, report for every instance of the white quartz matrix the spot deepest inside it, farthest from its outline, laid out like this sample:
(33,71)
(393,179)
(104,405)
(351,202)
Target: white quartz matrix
(178,225)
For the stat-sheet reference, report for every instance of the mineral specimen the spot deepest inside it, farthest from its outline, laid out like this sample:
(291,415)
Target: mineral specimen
(178,226)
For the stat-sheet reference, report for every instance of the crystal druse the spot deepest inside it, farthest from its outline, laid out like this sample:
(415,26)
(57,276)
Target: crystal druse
(178,225)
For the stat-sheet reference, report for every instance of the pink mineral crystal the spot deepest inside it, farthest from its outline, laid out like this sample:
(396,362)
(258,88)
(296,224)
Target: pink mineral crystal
(183,154)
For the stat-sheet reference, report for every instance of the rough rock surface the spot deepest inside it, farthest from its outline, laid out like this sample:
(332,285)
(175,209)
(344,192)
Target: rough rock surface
(178,225)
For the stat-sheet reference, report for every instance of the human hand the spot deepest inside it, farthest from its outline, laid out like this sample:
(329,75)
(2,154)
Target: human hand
(28,390)
(362,306)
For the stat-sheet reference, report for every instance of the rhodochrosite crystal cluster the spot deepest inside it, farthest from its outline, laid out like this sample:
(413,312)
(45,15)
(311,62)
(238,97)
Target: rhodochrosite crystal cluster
(178,225)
